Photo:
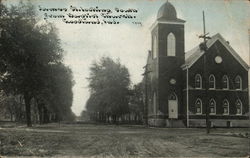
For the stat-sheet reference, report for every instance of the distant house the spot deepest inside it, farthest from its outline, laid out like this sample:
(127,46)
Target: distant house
(175,81)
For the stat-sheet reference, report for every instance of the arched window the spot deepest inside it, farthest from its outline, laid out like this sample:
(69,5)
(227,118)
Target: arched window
(211,82)
(238,105)
(225,82)
(238,82)
(225,107)
(198,106)
(198,81)
(155,47)
(212,106)
(171,45)
(172,96)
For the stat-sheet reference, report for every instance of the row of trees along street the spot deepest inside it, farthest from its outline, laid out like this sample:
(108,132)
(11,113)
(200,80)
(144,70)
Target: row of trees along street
(112,99)
(31,67)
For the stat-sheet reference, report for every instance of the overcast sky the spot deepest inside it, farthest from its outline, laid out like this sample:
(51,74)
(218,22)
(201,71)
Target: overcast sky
(130,42)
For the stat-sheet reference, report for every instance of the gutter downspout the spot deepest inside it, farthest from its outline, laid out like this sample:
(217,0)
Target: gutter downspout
(249,77)
(187,99)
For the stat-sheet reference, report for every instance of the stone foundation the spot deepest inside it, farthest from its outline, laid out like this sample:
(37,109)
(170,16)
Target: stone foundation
(175,123)
(156,122)
(219,123)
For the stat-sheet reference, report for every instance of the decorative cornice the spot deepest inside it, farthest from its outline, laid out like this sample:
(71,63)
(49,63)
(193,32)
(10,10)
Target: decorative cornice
(165,22)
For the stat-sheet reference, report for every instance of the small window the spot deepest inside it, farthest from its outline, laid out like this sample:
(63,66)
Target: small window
(225,82)
(171,44)
(212,106)
(198,106)
(238,83)
(225,107)
(238,107)
(198,81)
(211,82)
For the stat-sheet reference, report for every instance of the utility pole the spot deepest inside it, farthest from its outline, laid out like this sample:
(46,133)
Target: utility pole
(145,74)
(203,46)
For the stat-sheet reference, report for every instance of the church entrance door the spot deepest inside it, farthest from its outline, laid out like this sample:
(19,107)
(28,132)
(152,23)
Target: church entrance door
(172,106)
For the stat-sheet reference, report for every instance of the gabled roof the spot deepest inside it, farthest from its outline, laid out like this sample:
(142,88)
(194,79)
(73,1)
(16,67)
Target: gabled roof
(194,54)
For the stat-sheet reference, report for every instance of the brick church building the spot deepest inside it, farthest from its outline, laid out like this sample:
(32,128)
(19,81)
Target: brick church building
(175,80)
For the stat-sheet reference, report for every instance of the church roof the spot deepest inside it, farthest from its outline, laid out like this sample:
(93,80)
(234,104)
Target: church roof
(194,54)
(167,12)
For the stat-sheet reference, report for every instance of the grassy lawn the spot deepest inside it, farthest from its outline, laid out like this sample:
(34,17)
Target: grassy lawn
(111,140)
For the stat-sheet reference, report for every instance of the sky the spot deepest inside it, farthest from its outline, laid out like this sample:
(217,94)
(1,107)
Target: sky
(130,42)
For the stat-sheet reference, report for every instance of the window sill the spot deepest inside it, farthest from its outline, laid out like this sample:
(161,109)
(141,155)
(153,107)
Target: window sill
(212,113)
(198,114)
(211,89)
(197,88)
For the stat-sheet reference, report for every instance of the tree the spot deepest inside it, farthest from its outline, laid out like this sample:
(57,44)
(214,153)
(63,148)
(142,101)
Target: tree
(11,105)
(26,51)
(61,83)
(108,83)
(136,102)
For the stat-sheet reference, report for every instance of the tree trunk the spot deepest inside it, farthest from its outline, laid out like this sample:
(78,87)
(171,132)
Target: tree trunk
(107,119)
(40,111)
(11,117)
(100,117)
(115,121)
(129,121)
(104,118)
(45,115)
(27,99)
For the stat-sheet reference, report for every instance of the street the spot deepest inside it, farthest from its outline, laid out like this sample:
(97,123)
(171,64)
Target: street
(112,140)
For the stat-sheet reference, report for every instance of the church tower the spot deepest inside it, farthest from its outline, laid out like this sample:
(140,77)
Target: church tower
(167,57)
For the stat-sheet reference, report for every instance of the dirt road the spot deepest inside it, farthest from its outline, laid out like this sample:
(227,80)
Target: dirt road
(114,141)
